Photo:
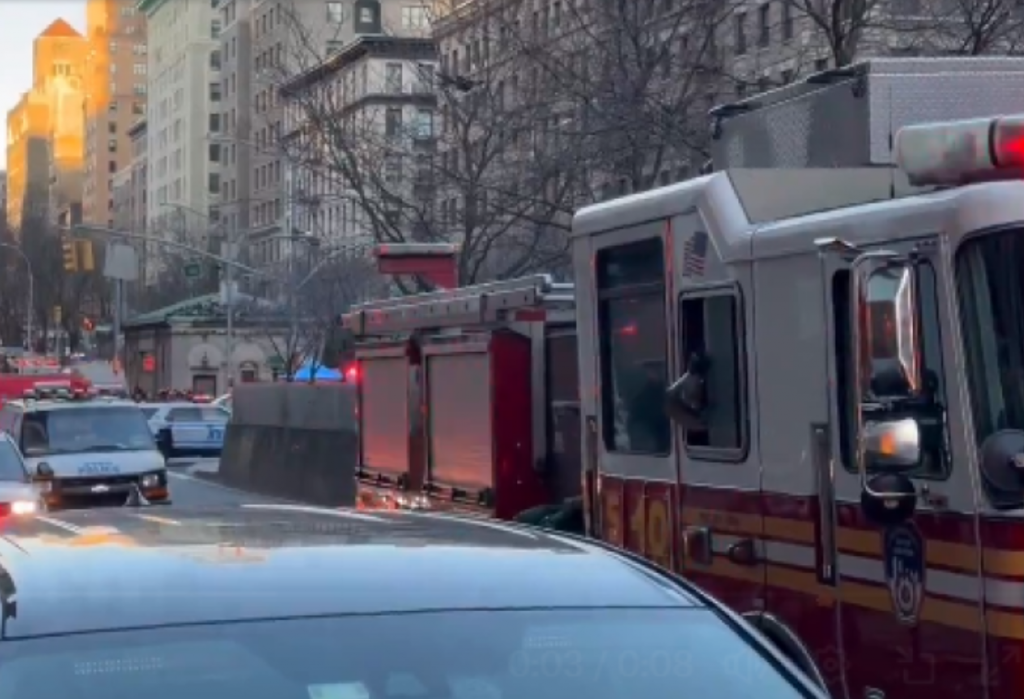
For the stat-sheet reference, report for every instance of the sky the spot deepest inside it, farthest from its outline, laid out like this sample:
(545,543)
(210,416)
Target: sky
(20,22)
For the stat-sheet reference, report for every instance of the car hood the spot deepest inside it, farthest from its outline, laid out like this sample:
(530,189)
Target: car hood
(12,490)
(98,464)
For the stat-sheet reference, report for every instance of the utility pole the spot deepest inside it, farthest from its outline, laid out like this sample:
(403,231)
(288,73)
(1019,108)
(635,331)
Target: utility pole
(229,299)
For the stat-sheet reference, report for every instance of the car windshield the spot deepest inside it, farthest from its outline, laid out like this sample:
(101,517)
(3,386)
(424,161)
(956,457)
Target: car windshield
(85,429)
(11,467)
(609,654)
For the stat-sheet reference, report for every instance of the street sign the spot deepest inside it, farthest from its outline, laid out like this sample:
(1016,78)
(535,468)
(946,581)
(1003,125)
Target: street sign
(193,270)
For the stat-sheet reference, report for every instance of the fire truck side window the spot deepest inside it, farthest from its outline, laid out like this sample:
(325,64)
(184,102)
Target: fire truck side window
(631,296)
(710,327)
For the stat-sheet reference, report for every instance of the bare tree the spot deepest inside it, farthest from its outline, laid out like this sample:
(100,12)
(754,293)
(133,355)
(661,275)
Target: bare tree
(964,27)
(633,83)
(455,162)
(318,295)
(842,25)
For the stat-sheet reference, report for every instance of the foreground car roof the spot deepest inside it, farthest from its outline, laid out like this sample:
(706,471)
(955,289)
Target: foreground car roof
(116,568)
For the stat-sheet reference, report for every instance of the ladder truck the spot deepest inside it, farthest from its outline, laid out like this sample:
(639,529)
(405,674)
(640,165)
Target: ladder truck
(468,400)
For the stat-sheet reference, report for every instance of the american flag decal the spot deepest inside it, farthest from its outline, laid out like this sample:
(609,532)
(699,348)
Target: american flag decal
(695,254)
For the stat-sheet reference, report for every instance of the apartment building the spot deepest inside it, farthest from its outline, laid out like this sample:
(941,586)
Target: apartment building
(45,129)
(382,87)
(233,147)
(184,89)
(272,42)
(28,159)
(116,70)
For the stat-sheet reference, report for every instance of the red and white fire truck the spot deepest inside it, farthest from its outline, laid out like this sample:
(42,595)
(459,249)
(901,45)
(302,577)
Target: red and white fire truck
(468,398)
(801,388)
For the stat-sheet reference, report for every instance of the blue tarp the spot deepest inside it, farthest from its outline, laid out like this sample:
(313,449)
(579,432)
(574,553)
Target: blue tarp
(322,373)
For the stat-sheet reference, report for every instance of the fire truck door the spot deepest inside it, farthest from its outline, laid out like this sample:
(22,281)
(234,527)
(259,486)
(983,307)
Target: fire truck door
(907,594)
(720,476)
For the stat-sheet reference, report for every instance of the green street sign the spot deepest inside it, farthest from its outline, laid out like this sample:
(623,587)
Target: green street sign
(193,270)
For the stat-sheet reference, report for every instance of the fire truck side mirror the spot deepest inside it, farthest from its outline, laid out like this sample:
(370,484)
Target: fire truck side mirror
(887,333)
(686,399)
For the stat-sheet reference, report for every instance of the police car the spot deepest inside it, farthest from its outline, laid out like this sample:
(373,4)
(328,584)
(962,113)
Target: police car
(85,452)
(187,429)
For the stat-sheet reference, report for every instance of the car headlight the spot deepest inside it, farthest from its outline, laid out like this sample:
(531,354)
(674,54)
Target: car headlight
(150,480)
(23,507)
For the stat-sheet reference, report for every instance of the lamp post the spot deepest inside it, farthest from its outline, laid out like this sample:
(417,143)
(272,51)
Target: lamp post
(31,290)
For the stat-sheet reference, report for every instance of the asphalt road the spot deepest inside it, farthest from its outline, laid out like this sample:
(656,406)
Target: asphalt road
(191,490)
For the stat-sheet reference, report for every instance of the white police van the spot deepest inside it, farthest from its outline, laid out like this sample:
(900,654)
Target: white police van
(84,452)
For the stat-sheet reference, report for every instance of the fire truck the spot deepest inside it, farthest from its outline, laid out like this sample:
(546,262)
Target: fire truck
(801,388)
(468,399)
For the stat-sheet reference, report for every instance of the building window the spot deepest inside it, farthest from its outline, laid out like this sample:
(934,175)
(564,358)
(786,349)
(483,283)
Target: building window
(214,152)
(787,21)
(215,92)
(111,145)
(215,28)
(740,30)
(112,127)
(335,13)
(215,123)
(215,59)
(113,47)
(424,126)
(111,166)
(633,349)
(140,90)
(393,122)
(139,69)
(393,78)
(414,17)
(214,183)
(764,26)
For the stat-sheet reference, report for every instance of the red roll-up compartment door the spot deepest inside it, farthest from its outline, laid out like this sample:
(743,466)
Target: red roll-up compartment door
(461,438)
(384,414)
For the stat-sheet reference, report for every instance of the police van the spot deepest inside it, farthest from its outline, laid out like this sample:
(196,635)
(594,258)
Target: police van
(87,452)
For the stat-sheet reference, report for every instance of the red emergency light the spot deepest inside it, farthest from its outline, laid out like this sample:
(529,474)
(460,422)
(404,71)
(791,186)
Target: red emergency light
(961,152)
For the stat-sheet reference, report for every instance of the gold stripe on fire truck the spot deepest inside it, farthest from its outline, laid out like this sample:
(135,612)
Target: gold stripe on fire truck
(939,553)
(936,610)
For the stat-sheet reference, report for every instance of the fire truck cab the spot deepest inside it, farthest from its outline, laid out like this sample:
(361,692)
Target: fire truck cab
(804,390)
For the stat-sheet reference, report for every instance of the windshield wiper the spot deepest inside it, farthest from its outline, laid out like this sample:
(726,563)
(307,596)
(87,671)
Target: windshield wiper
(104,447)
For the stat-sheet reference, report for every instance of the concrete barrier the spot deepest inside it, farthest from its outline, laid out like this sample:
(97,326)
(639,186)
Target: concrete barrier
(294,441)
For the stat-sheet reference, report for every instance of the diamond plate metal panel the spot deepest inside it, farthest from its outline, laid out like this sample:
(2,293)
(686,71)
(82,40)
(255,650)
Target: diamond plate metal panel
(848,120)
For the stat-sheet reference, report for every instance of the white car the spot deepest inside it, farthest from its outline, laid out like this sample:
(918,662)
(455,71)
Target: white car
(161,415)
(198,428)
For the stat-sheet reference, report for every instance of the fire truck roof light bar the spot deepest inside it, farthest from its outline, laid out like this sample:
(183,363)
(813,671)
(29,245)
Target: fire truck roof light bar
(484,303)
(961,152)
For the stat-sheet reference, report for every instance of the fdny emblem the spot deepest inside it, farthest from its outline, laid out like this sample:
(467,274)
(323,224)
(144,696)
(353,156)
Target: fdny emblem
(905,570)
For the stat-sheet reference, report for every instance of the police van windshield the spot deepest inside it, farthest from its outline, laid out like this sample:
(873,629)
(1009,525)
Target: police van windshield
(85,429)
(549,654)
(991,291)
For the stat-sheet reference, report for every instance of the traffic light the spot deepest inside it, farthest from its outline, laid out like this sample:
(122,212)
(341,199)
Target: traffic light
(70,255)
(86,262)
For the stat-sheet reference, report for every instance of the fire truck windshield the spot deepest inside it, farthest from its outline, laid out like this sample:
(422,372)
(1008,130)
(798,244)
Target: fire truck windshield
(991,291)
